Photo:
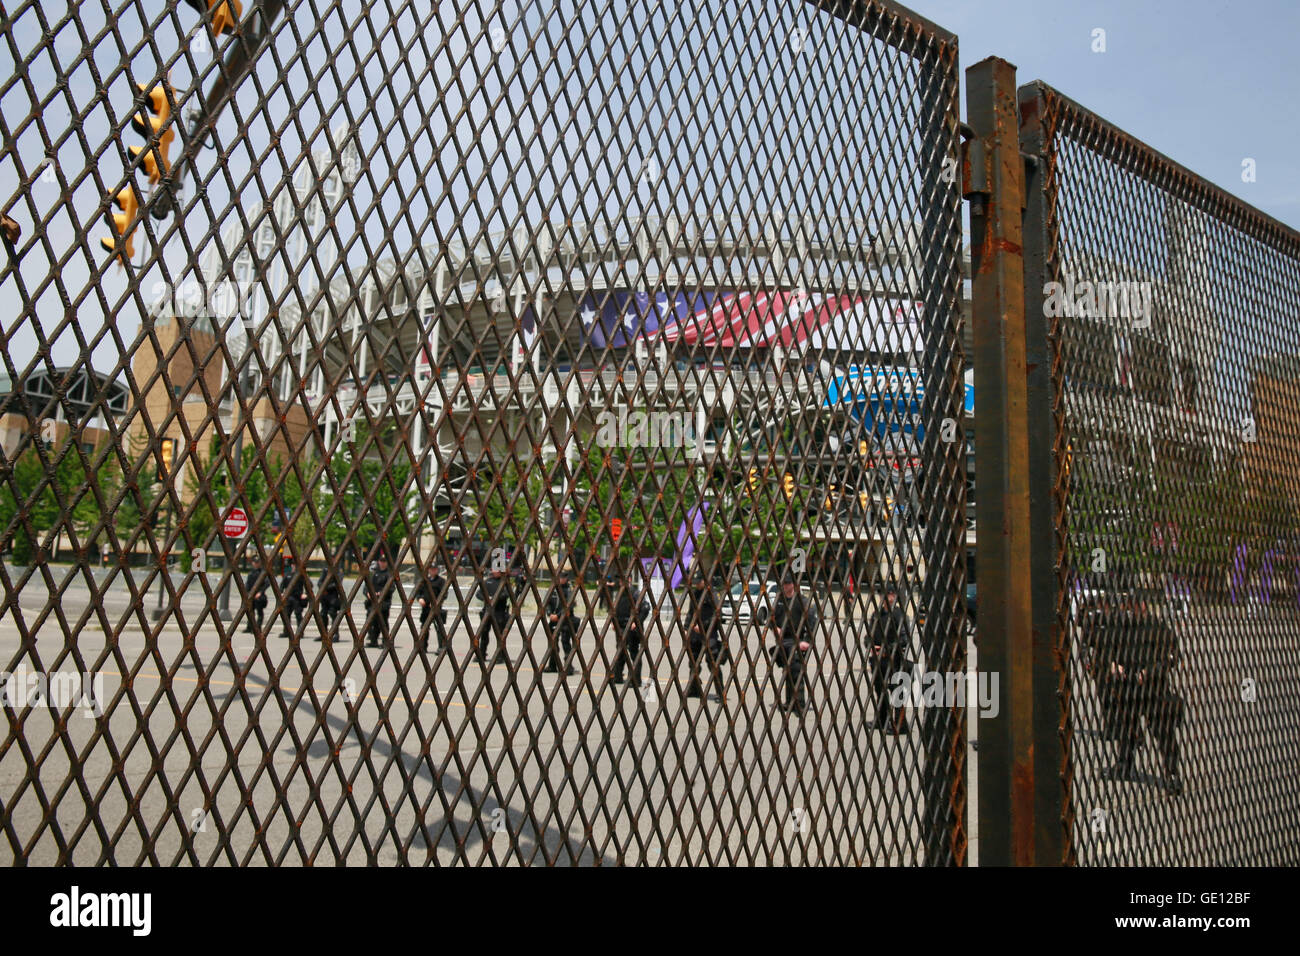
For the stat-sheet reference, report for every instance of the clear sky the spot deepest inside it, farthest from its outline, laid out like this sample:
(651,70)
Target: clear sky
(1206,83)
(1209,84)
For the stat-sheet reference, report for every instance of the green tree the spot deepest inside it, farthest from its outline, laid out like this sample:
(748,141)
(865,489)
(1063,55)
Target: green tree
(199,525)
(22,506)
(362,500)
(47,493)
(505,496)
(140,505)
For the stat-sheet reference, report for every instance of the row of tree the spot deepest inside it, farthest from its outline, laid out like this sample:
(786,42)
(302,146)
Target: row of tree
(366,494)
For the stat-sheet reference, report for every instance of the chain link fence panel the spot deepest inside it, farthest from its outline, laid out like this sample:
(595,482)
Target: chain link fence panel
(1171,310)
(378,377)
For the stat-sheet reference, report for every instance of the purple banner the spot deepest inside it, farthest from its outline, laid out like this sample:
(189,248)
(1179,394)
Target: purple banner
(687,536)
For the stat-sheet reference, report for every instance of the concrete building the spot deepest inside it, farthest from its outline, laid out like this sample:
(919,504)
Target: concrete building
(51,404)
(513,341)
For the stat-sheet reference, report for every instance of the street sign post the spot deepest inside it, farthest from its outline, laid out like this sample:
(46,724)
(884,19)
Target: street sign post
(235,523)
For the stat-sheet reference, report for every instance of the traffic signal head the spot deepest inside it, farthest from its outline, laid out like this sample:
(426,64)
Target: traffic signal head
(154,120)
(753,480)
(787,483)
(167,452)
(225,13)
(123,223)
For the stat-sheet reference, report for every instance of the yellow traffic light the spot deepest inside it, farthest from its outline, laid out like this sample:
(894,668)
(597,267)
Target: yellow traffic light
(863,497)
(157,122)
(223,16)
(753,480)
(787,483)
(167,451)
(123,223)
(863,448)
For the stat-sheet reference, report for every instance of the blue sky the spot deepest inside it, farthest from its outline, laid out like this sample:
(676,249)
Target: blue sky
(1206,83)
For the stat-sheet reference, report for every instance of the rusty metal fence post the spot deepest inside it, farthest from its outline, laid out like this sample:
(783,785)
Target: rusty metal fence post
(1050,675)
(995,184)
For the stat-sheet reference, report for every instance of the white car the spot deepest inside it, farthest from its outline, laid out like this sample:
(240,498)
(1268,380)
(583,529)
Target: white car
(750,602)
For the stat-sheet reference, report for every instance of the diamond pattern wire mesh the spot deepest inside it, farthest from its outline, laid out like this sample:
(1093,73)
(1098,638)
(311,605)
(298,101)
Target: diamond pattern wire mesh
(414,273)
(1178,476)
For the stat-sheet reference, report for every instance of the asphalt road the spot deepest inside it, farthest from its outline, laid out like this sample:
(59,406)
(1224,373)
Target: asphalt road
(1239,679)
(229,748)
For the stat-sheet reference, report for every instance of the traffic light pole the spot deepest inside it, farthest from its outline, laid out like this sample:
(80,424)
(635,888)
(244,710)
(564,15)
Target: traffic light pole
(166,562)
(223,601)
(238,63)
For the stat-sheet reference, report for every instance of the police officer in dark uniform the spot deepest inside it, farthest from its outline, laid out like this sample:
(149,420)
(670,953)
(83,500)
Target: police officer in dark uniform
(1134,659)
(293,595)
(561,625)
(256,584)
(630,610)
(431,592)
(379,600)
(704,636)
(330,589)
(794,620)
(891,639)
(497,593)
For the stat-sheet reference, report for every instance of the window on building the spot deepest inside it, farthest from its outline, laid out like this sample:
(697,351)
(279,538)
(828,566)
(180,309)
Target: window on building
(1188,378)
(397,296)
(1093,356)
(1152,374)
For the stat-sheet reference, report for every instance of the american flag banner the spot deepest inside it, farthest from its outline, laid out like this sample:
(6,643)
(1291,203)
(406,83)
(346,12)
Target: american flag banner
(754,318)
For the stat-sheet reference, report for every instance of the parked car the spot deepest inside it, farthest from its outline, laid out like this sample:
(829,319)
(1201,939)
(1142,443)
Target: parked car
(750,601)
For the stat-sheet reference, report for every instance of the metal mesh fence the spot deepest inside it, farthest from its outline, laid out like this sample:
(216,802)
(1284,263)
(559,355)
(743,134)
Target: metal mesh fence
(379,375)
(1176,354)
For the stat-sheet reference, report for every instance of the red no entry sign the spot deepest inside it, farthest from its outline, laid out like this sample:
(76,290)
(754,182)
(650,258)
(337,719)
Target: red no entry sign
(235,524)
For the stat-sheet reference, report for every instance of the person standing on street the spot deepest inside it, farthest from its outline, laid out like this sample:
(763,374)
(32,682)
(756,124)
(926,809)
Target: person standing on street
(379,600)
(293,596)
(1134,659)
(497,594)
(330,588)
(891,640)
(704,637)
(630,610)
(255,585)
(794,621)
(431,593)
(561,626)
